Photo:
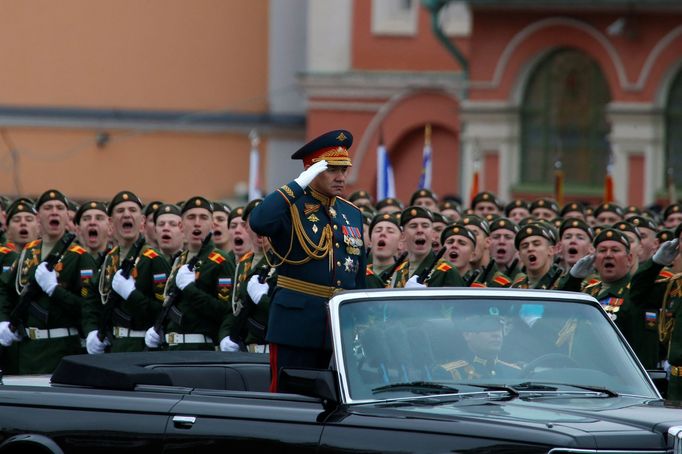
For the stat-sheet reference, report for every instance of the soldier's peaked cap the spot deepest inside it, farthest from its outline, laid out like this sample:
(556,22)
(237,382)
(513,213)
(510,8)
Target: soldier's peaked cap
(89,205)
(124,196)
(49,195)
(331,146)
(196,202)
(166,208)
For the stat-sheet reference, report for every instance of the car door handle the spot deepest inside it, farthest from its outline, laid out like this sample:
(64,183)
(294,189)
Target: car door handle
(184,422)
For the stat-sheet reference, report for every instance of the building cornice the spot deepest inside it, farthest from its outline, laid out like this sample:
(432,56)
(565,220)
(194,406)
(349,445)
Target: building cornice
(376,85)
(152,120)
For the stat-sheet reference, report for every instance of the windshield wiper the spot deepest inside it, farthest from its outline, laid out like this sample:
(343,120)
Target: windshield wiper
(417,387)
(509,389)
(534,386)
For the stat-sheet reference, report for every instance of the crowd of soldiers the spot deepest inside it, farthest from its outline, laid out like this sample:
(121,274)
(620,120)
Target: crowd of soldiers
(199,277)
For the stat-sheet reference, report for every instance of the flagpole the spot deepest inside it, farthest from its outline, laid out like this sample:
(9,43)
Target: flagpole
(425,178)
(254,164)
(608,180)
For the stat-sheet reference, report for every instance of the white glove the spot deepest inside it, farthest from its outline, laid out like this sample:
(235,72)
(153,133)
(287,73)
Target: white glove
(412,283)
(47,280)
(184,277)
(256,290)
(123,286)
(310,173)
(226,345)
(93,345)
(6,335)
(152,339)
(583,267)
(666,252)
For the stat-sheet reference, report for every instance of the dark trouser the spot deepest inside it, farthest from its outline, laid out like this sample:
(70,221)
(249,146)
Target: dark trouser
(283,356)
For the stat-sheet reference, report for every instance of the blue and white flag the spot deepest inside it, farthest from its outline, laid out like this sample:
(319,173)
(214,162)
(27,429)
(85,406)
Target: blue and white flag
(425,177)
(254,166)
(385,180)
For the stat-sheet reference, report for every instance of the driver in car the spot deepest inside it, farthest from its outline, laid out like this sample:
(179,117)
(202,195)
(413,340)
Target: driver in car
(483,335)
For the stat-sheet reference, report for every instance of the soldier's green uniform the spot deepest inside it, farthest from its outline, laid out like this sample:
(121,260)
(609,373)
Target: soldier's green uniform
(133,316)
(493,279)
(8,254)
(615,299)
(647,294)
(52,322)
(253,327)
(671,334)
(194,322)
(443,273)
(552,280)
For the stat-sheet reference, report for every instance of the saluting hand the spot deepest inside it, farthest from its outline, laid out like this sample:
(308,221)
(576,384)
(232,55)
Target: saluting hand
(583,267)
(310,173)
(667,252)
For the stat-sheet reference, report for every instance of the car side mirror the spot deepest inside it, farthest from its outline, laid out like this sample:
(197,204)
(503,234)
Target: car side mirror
(320,383)
(660,379)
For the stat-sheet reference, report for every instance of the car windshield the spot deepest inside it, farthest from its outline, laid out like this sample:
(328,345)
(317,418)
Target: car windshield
(411,345)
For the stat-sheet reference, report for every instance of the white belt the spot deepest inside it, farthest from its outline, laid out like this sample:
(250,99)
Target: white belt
(54,333)
(258,348)
(120,331)
(177,338)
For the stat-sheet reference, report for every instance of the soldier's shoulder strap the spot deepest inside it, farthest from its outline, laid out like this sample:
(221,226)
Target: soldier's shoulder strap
(216,257)
(33,244)
(443,265)
(502,279)
(77,249)
(520,278)
(150,253)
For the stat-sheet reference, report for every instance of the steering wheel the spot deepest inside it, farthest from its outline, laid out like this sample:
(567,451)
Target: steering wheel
(549,360)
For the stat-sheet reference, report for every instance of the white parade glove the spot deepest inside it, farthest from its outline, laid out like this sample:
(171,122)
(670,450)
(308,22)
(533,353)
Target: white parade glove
(6,335)
(47,280)
(184,277)
(666,252)
(93,345)
(412,283)
(256,290)
(583,267)
(123,286)
(310,173)
(226,345)
(152,339)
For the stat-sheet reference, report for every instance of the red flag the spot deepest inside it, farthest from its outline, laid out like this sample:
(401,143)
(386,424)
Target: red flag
(475,188)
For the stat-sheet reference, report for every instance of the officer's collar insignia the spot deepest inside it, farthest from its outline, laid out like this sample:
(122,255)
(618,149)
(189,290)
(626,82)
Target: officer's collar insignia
(313,218)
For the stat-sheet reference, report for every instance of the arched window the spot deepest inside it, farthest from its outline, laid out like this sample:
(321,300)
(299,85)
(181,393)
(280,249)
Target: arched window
(563,116)
(673,123)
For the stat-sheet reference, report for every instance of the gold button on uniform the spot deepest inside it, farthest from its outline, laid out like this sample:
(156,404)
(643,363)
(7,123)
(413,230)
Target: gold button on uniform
(338,263)
(336,227)
(336,245)
(338,283)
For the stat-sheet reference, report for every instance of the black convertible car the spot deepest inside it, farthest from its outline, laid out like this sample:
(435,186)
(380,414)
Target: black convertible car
(426,370)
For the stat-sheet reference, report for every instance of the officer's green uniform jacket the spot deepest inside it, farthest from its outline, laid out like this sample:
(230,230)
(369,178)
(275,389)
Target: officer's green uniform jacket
(142,307)
(320,241)
(671,334)
(615,299)
(443,274)
(63,309)
(254,321)
(647,293)
(8,254)
(203,304)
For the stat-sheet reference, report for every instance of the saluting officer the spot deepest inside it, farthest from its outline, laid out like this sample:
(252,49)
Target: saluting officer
(317,237)
(53,320)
